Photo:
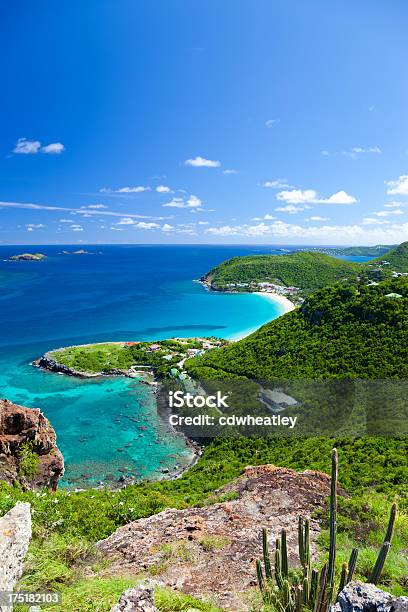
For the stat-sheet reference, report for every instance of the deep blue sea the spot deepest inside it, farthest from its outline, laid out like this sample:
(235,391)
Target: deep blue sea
(115,293)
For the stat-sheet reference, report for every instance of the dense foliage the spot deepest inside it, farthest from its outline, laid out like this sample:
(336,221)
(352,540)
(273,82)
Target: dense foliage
(397,258)
(343,331)
(364,251)
(307,270)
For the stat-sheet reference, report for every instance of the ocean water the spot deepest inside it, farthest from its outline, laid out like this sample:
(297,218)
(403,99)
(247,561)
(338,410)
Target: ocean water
(109,427)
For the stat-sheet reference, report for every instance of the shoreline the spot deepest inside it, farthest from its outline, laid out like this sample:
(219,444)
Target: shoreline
(284,302)
(47,363)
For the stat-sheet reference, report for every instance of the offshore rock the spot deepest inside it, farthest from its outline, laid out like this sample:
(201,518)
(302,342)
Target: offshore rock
(210,552)
(15,535)
(28,451)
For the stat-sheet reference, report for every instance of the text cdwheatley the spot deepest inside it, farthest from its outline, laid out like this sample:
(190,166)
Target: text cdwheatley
(233,420)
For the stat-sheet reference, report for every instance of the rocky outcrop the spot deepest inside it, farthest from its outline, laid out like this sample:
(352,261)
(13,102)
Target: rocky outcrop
(210,552)
(138,599)
(361,597)
(28,451)
(15,535)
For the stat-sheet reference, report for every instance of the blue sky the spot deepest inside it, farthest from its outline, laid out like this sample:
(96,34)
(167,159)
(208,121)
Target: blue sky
(212,121)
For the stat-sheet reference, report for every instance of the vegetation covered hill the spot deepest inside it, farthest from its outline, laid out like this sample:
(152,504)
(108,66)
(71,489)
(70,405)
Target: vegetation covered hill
(307,270)
(364,251)
(397,258)
(342,331)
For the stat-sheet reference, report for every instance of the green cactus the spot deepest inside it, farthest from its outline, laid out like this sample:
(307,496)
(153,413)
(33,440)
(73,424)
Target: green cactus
(343,577)
(382,555)
(379,564)
(333,521)
(286,595)
(266,559)
(352,564)
(278,568)
(391,524)
(313,590)
(284,554)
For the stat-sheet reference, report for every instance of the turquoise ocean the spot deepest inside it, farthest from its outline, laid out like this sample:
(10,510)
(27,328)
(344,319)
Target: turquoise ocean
(109,427)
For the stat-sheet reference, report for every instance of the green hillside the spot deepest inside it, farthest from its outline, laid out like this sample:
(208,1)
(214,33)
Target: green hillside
(307,270)
(398,258)
(343,331)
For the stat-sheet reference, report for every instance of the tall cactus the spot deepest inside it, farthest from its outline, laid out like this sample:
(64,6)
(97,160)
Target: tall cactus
(333,520)
(284,554)
(311,589)
(382,555)
(379,564)
(352,564)
(391,524)
(265,551)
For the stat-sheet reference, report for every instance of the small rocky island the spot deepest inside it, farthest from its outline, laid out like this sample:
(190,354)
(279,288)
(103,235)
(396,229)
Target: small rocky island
(28,257)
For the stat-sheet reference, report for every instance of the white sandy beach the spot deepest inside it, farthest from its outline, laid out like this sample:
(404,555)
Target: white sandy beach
(280,299)
(283,301)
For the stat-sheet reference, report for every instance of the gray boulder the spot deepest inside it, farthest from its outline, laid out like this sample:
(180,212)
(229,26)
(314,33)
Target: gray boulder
(15,536)
(362,597)
(138,599)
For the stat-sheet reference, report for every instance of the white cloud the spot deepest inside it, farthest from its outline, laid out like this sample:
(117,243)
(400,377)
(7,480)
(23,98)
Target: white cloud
(231,171)
(271,122)
(126,221)
(387,213)
(77,228)
(65,220)
(138,189)
(203,223)
(202,162)
(54,148)
(324,234)
(398,186)
(266,217)
(191,202)
(316,218)
(31,147)
(310,196)
(276,184)
(291,209)
(372,221)
(27,147)
(163,189)
(96,206)
(167,227)
(73,211)
(146,226)
(354,152)
(33,226)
